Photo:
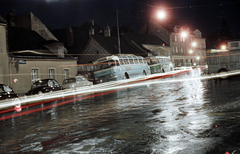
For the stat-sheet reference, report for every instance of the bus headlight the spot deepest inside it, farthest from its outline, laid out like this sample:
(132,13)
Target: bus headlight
(100,80)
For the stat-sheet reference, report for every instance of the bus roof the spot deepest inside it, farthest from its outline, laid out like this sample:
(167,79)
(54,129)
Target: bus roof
(116,57)
(158,57)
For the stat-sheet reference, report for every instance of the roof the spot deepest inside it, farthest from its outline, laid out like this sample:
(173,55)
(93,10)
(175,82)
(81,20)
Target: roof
(111,45)
(80,36)
(23,39)
(28,43)
(147,39)
(2,20)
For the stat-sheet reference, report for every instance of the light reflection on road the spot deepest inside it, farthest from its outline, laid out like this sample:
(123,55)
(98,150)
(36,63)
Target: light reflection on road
(156,117)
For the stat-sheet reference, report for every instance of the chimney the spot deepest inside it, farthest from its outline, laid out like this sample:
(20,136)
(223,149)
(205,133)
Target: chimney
(107,31)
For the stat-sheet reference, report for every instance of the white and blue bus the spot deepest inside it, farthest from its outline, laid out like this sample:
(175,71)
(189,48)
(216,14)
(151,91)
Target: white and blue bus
(120,67)
(160,64)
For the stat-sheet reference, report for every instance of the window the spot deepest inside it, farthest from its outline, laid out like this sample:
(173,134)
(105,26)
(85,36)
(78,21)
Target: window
(51,74)
(173,49)
(175,37)
(34,74)
(235,44)
(66,73)
(176,50)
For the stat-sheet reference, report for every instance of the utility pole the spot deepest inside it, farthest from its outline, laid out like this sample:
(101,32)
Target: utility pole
(119,48)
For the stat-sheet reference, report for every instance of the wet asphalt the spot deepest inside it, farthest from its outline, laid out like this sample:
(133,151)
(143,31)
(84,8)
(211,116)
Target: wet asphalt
(190,116)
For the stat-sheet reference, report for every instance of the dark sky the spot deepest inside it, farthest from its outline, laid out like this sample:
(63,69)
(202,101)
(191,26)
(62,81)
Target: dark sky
(205,15)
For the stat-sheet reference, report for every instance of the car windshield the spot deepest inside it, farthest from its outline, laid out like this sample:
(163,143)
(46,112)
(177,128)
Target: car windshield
(45,83)
(7,89)
(70,80)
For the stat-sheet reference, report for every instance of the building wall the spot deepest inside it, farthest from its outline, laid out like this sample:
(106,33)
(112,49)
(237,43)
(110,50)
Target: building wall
(23,79)
(4,63)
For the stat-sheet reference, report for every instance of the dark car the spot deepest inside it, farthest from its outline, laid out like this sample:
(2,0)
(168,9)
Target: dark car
(6,92)
(44,86)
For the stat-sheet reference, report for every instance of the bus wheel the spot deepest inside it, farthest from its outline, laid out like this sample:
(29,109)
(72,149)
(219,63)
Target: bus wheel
(144,73)
(223,72)
(126,76)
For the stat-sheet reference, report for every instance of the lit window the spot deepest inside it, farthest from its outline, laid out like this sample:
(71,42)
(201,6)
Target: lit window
(66,73)
(51,74)
(34,74)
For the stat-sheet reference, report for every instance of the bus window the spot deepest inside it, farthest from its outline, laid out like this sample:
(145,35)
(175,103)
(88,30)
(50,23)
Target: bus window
(136,61)
(140,60)
(105,65)
(126,61)
(117,63)
(145,62)
(121,61)
(111,63)
(131,61)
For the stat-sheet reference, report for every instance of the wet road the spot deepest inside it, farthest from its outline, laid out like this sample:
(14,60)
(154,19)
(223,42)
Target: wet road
(194,116)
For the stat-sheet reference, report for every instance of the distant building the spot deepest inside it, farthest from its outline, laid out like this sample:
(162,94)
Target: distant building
(183,53)
(223,60)
(4,61)
(34,53)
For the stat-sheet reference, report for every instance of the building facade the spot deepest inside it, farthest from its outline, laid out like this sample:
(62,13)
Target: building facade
(25,70)
(188,48)
(26,56)
(4,62)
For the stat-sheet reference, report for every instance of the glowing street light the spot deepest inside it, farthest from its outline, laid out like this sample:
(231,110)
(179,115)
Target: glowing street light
(223,47)
(184,34)
(194,44)
(198,57)
(161,14)
(190,51)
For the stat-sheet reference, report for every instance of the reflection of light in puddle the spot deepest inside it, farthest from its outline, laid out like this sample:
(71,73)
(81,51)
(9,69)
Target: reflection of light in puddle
(184,121)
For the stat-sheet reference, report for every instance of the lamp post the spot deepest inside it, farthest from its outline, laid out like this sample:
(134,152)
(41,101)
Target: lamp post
(119,48)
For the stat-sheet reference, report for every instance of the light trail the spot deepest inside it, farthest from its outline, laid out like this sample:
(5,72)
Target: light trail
(102,89)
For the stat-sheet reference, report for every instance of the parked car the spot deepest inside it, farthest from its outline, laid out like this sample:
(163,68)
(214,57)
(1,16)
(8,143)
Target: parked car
(77,81)
(6,92)
(44,86)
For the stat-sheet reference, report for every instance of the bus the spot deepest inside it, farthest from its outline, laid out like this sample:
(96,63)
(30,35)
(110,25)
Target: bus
(159,64)
(120,67)
(224,60)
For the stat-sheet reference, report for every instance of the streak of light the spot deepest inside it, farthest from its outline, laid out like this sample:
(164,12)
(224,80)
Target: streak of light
(51,106)
(106,88)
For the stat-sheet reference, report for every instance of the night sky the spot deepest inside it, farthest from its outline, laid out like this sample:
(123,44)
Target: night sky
(205,15)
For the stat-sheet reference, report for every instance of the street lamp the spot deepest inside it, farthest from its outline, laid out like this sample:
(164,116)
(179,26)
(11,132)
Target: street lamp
(198,57)
(194,44)
(190,51)
(161,14)
(184,34)
(223,47)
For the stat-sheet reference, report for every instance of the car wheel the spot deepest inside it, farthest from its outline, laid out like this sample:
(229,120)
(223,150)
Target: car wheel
(40,92)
